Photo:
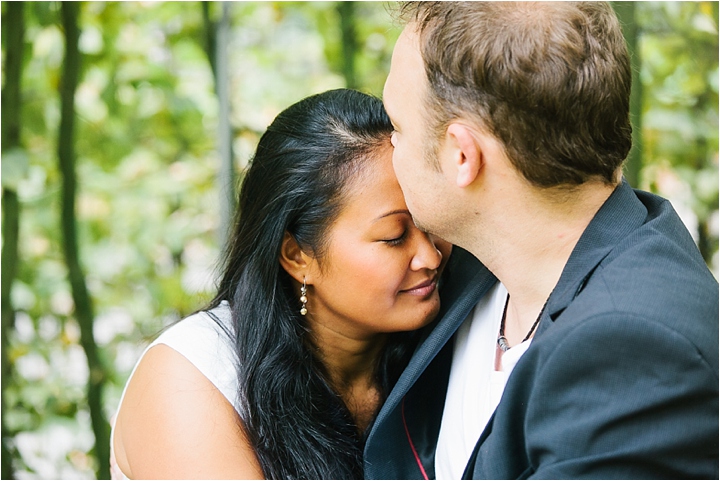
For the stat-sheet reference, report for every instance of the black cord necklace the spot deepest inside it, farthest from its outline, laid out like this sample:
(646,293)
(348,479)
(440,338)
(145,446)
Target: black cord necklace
(502,341)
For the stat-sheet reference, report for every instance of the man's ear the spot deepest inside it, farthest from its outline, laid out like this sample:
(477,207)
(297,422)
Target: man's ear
(293,259)
(465,153)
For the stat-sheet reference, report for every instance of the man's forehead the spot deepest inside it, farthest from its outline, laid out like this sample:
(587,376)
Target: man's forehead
(407,47)
(406,60)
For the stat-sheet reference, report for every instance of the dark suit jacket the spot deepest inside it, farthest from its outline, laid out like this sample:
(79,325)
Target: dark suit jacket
(621,380)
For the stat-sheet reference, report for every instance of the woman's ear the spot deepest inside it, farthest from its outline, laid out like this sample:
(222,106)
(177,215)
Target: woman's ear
(293,259)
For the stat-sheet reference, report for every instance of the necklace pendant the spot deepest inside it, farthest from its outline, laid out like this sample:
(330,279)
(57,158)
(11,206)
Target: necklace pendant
(503,343)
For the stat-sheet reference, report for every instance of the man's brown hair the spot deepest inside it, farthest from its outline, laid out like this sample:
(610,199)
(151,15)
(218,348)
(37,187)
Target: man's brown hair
(550,80)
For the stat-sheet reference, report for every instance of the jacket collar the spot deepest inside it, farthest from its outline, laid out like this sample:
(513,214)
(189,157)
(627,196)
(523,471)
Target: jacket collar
(621,214)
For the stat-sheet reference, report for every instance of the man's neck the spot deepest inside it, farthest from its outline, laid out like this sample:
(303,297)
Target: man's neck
(532,243)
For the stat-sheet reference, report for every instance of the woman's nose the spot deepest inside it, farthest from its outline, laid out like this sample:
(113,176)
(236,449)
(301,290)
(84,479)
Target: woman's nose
(427,255)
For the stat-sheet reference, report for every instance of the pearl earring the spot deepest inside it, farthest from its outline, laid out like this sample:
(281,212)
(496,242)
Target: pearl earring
(303,298)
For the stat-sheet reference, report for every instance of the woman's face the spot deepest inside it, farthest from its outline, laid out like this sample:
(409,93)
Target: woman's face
(379,273)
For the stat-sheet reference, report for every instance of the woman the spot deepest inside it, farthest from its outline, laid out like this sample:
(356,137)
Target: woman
(325,274)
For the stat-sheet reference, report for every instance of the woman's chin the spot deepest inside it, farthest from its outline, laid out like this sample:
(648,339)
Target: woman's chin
(431,308)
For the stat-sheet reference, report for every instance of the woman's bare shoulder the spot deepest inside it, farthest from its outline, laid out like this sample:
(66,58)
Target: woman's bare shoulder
(174,423)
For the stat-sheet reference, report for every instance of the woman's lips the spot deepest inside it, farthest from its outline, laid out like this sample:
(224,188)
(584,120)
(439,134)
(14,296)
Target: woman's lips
(423,289)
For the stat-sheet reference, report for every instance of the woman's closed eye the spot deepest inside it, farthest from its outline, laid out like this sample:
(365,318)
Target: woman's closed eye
(396,241)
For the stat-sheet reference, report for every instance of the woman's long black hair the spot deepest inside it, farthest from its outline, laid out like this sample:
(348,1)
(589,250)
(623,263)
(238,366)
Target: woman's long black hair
(300,428)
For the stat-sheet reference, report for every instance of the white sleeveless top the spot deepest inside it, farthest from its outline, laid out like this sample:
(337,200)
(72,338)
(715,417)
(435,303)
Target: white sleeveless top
(206,340)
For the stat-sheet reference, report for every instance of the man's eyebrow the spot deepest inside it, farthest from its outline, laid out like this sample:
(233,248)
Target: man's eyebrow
(393,212)
(385,105)
(392,120)
(388,111)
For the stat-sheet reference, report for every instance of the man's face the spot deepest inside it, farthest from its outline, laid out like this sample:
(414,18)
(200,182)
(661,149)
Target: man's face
(404,99)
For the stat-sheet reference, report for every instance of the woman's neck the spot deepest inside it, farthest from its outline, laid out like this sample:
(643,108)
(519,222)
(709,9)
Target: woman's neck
(351,365)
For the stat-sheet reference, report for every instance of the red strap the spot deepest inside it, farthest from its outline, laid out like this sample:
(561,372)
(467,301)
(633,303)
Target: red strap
(412,446)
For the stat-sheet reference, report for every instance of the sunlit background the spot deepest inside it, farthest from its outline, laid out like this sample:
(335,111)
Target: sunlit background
(148,156)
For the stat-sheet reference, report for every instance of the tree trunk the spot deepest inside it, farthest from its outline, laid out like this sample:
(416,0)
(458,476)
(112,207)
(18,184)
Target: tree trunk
(81,297)
(209,35)
(346,10)
(14,27)
(626,14)
(226,174)
(217,38)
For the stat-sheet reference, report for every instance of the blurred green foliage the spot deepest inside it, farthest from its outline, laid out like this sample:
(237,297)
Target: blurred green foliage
(146,166)
(679,56)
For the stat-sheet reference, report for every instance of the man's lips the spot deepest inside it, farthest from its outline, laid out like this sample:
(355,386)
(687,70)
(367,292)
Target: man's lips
(423,289)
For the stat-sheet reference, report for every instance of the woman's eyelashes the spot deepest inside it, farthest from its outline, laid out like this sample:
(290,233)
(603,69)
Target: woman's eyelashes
(396,241)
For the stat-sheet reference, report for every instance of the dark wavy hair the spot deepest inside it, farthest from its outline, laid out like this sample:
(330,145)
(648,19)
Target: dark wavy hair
(300,428)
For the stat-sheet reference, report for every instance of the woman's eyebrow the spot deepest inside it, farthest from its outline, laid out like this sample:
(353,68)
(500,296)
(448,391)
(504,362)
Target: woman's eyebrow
(393,212)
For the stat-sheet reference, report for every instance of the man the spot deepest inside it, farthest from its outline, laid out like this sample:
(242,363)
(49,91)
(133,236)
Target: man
(599,343)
